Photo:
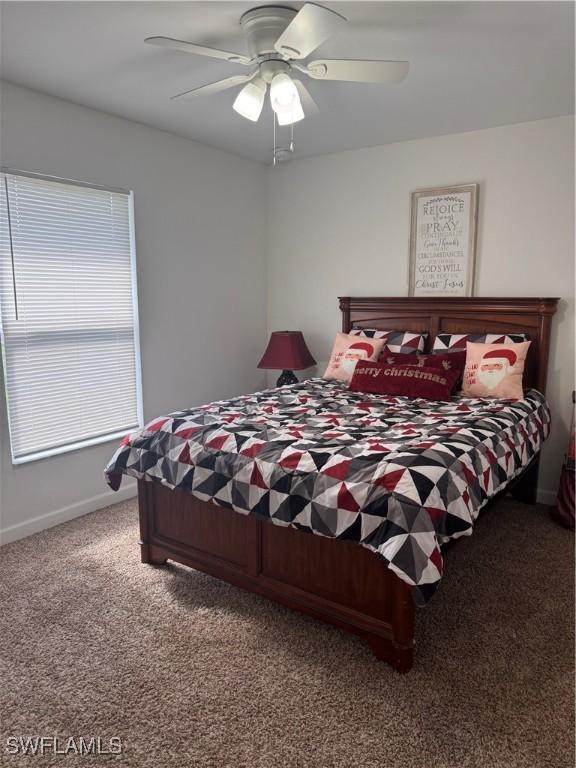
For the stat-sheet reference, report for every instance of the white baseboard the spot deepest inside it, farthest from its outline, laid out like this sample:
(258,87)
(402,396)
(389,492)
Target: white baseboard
(546,497)
(62,515)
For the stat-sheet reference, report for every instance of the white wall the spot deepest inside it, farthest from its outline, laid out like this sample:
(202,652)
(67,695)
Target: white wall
(200,225)
(339,226)
(212,228)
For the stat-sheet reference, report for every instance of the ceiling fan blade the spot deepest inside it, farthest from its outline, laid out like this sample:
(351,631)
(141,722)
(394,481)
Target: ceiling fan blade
(308,104)
(199,50)
(311,26)
(219,85)
(356,71)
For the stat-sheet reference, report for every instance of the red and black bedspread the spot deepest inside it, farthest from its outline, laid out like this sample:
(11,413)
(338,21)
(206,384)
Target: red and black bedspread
(397,475)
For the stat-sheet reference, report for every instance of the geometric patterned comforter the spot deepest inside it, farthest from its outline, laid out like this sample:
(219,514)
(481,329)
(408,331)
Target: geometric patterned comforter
(399,476)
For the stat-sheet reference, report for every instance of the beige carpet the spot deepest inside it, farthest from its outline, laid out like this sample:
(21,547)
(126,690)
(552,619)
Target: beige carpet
(188,671)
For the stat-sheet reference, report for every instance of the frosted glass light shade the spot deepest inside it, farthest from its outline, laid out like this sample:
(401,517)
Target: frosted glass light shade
(290,115)
(250,100)
(285,100)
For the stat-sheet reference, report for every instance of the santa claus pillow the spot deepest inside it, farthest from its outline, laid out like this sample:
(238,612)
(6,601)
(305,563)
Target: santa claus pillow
(495,370)
(346,352)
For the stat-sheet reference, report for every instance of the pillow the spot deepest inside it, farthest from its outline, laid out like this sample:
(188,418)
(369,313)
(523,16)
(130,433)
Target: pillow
(456,342)
(346,352)
(410,380)
(495,370)
(455,361)
(404,342)
(447,361)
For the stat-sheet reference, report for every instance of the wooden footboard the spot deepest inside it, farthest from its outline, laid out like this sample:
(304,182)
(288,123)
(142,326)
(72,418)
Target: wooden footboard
(339,582)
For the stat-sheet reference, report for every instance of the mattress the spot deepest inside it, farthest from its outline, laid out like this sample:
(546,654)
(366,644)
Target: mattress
(400,476)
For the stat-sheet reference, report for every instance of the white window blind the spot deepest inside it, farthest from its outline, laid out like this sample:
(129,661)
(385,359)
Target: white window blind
(68,315)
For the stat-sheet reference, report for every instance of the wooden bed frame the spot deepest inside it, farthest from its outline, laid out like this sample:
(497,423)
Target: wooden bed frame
(333,580)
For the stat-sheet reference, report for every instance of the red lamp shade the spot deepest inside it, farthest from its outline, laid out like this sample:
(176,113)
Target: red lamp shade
(287,350)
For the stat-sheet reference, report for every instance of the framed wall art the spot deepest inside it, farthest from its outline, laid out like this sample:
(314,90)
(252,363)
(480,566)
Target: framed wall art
(443,241)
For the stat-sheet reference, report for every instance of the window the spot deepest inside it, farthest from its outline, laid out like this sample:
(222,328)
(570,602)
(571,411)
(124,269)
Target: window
(68,312)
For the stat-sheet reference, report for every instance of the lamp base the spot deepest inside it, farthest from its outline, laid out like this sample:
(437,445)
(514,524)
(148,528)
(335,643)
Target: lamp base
(286,377)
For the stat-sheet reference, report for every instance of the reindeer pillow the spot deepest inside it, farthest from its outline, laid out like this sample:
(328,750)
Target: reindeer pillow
(495,370)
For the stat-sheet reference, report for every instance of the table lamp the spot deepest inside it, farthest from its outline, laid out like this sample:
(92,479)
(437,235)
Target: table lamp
(286,351)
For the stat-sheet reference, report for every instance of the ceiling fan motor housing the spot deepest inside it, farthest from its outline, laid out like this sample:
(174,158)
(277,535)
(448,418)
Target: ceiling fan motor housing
(263,26)
(272,67)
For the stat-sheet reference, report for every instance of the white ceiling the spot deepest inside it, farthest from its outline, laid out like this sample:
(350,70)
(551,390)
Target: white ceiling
(473,65)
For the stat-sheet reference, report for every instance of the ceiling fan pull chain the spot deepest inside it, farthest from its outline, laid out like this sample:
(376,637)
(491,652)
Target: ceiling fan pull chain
(292,137)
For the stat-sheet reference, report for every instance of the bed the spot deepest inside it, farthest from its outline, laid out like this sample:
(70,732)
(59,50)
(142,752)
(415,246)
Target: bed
(236,488)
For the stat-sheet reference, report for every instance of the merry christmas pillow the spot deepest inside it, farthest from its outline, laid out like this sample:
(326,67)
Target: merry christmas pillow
(425,382)
(454,361)
(346,352)
(495,370)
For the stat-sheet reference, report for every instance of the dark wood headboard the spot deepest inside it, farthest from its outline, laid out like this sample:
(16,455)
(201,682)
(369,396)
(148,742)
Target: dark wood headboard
(532,316)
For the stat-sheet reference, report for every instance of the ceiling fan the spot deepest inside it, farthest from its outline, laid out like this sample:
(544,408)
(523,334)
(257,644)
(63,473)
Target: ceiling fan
(279,39)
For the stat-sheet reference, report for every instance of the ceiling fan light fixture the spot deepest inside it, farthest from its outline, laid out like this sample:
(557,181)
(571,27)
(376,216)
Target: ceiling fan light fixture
(250,100)
(292,115)
(285,99)
(283,92)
